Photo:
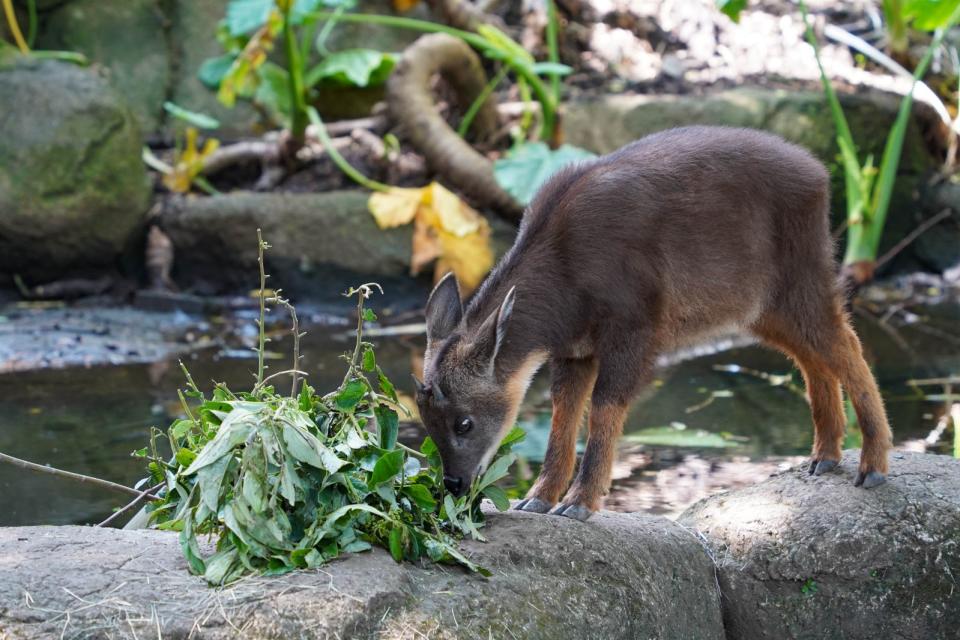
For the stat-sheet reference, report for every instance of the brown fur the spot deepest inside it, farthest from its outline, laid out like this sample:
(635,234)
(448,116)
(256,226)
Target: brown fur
(654,246)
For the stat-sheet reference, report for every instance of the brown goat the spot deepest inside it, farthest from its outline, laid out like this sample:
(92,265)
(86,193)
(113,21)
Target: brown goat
(657,245)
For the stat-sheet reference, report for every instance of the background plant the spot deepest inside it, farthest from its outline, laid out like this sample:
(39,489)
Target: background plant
(282,482)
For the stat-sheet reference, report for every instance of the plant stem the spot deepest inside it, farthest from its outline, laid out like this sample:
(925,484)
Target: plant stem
(327,28)
(338,159)
(31,22)
(261,246)
(298,99)
(14,26)
(140,498)
(79,477)
(553,48)
(482,97)
(544,97)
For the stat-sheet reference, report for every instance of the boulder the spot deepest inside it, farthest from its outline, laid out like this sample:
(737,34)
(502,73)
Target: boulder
(72,186)
(128,39)
(321,242)
(619,576)
(800,556)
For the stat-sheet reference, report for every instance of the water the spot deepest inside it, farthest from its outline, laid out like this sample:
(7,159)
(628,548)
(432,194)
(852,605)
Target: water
(88,420)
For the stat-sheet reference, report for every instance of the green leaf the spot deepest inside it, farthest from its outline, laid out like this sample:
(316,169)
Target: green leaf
(212,70)
(732,8)
(369,315)
(351,394)
(246,16)
(369,360)
(185,457)
(307,449)
(388,425)
(273,92)
(497,469)
(429,447)
(386,387)
(929,15)
(193,118)
(552,68)
(421,496)
(396,543)
(514,436)
(180,428)
(219,565)
(210,479)
(233,431)
(387,467)
(530,165)
(352,68)
(498,496)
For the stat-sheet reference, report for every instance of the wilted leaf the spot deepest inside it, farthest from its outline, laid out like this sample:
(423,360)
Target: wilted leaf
(454,215)
(425,246)
(241,78)
(470,257)
(525,169)
(189,162)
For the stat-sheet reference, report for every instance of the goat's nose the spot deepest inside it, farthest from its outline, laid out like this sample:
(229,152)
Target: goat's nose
(453,485)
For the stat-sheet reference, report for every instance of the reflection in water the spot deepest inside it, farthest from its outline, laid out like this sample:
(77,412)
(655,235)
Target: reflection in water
(89,420)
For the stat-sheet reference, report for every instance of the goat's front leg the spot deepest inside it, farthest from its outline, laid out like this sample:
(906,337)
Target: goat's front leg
(571,384)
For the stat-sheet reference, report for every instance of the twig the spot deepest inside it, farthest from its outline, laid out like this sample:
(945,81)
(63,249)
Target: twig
(140,498)
(247,150)
(913,235)
(261,247)
(70,475)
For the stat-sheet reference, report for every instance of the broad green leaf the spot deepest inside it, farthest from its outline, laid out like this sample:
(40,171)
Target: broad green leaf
(421,495)
(233,431)
(185,457)
(676,437)
(388,425)
(498,496)
(210,479)
(352,68)
(273,92)
(351,394)
(497,469)
(307,449)
(219,565)
(194,118)
(530,165)
(928,15)
(357,546)
(369,360)
(387,467)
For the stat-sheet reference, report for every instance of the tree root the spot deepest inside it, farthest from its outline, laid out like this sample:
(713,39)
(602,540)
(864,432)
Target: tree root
(412,106)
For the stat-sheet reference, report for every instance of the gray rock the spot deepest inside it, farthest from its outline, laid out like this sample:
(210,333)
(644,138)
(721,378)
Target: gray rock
(72,186)
(617,576)
(609,122)
(321,242)
(814,557)
(128,39)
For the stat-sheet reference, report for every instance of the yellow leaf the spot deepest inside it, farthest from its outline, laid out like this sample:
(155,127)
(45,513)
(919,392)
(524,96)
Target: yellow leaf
(241,76)
(404,5)
(189,162)
(470,257)
(395,207)
(455,215)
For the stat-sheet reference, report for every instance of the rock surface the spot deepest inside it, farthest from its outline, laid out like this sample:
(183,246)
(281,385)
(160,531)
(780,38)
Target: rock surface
(814,557)
(620,576)
(321,242)
(72,186)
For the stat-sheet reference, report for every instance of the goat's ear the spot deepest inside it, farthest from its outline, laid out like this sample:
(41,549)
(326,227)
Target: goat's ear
(492,332)
(444,309)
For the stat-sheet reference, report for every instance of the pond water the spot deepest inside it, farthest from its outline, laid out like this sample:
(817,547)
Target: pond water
(747,399)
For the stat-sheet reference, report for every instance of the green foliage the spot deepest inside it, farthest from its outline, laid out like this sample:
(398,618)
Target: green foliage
(288,482)
(732,8)
(809,587)
(524,170)
(352,68)
(868,189)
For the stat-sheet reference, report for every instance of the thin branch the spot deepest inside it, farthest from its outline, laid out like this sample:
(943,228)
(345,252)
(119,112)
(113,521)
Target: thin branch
(140,498)
(913,235)
(70,475)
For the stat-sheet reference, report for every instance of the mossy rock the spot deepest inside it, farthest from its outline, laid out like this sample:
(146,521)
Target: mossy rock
(73,188)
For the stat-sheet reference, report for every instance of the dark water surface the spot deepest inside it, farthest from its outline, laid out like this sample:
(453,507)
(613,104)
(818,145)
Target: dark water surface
(88,420)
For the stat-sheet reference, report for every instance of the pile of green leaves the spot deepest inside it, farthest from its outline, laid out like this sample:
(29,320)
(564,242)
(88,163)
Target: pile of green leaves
(286,482)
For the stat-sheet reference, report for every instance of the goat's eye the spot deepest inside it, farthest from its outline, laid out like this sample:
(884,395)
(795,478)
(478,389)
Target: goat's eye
(462,426)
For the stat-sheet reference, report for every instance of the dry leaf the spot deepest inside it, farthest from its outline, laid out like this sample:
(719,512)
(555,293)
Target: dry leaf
(189,162)
(445,230)
(240,78)
(395,207)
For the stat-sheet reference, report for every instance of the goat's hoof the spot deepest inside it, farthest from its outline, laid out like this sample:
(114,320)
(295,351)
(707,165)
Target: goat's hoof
(533,505)
(820,467)
(573,511)
(869,480)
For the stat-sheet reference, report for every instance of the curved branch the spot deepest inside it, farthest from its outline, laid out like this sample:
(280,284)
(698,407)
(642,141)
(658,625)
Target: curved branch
(412,106)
